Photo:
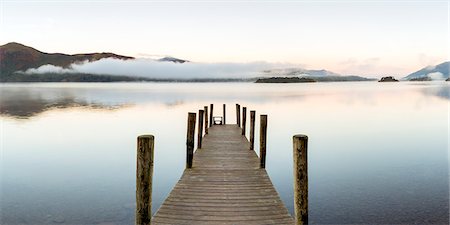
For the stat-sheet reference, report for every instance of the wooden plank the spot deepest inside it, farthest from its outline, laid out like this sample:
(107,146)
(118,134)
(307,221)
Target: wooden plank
(224,186)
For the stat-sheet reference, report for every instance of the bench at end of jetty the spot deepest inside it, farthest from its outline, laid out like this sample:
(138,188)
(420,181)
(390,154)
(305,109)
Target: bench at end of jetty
(218,120)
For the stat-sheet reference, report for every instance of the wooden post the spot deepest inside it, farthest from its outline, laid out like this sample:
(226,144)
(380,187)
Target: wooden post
(300,179)
(211,106)
(190,139)
(252,129)
(206,119)
(262,141)
(144,177)
(224,113)
(244,119)
(238,115)
(200,128)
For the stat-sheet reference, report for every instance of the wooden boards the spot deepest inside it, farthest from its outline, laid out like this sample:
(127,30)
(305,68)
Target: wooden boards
(224,186)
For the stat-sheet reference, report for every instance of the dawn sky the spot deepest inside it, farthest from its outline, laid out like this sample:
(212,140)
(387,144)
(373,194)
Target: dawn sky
(348,37)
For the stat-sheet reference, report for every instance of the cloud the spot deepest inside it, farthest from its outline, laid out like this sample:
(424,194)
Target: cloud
(436,76)
(154,69)
(49,69)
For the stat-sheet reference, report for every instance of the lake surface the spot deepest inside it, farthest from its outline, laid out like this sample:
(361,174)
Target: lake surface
(378,152)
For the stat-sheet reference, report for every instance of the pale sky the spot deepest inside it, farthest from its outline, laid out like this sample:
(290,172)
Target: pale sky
(348,37)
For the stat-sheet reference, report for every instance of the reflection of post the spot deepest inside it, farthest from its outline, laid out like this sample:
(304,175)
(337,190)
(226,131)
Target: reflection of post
(252,129)
(224,114)
(200,128)
(211,106)
(262,141)
(206,119)
(144,177)
(244,119)
(190,140)
(300,143)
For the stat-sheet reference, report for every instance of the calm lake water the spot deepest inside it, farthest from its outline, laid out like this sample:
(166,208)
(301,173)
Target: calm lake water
(378,152)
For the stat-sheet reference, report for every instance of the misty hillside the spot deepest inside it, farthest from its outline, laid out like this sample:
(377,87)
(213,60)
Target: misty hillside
(298,72)
(17,57)
(20,63)
(172,59)
(442,68)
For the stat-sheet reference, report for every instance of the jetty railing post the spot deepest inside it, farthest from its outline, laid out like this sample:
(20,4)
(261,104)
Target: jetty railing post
(224,114)
(244,119)
(144,178)
(238,115)
(190,139)
(211,106)
(252,129)
(300,143)
(200,128)
(206,119)
(262,141)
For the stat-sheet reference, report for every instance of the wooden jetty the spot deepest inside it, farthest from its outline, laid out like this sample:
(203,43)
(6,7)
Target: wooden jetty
(225,182)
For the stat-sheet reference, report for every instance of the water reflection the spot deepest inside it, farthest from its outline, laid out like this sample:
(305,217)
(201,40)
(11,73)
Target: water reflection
(24,104)
(378,152)
(439,91)
(23,101)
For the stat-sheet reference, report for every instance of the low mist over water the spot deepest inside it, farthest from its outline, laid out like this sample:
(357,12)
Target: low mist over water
(378,152)
(149,68)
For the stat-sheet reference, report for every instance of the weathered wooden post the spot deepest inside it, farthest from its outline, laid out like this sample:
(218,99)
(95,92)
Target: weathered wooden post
(238,115)
(144,177)
(206,119)
(262,141)
(211,106)
(200,128)
(190,139)
(252,129)
(224,113)
(244,119)
(301,179)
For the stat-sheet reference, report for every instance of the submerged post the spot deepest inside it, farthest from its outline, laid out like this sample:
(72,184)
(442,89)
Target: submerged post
(224,113)
(300,179)
(244,119)
(206,119)
(190,140)
(262,141)
(200,128)
(211,106)
(252,129)
(238,115)
(144,177)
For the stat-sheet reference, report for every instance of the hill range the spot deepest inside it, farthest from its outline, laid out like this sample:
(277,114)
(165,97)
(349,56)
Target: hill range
(440,71)
(16,59)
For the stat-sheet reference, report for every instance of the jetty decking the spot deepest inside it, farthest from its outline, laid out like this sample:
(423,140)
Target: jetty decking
(224,182)
(224,186)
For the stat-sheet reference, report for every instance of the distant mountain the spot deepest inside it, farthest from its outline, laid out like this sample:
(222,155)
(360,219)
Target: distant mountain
(341,78)
(298,72)
(17,57)
(285,80)
(434,71)
(307,79)
(172,59)
(316,75)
